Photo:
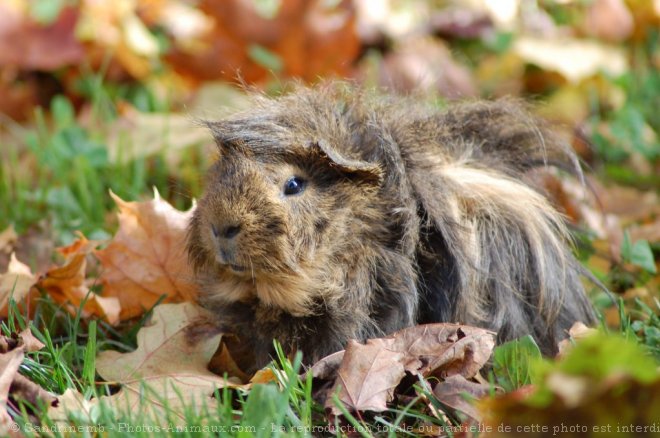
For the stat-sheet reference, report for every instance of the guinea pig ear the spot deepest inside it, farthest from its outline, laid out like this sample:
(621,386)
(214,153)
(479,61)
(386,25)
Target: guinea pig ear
(223,135)
(362,170)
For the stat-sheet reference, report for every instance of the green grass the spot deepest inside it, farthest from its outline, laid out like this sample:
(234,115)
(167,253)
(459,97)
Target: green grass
(58,173)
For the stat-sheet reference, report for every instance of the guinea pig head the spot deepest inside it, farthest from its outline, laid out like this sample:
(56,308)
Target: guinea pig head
(277,219)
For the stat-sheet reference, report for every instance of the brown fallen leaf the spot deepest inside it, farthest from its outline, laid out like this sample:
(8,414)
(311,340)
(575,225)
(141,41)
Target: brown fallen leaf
(146,259)
(169,367)
(327,367)
(370,372)
(368,375)
(452,392)
(15,387)
(24,339)
(15,283)
(9,363)
(67,285)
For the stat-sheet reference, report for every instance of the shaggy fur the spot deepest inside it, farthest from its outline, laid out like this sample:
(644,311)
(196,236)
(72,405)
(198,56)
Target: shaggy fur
(409,215)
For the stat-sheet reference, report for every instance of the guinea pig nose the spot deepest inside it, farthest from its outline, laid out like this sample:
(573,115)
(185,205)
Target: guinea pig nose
(230,231)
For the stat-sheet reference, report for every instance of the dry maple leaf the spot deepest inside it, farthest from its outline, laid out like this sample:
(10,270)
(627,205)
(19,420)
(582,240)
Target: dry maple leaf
(169,367)
(67,285)
(370,372)
(147,258)
(368,375)
(15,283)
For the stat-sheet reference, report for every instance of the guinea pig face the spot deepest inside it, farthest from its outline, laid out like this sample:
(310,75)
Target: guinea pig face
(270,224)
(248,218)
(269,217)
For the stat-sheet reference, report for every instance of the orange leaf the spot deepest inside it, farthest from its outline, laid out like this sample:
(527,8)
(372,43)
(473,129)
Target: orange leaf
(66,284)
(147,258)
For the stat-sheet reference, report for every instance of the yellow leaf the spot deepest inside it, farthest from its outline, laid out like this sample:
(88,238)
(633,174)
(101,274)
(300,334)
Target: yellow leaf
(66,284)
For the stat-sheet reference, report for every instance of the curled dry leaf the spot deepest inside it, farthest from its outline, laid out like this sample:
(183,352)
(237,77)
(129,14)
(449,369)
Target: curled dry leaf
(169,367)
(67,285)
(9,363)
(24,340)
(31,343)
(453,390)
(17,387)
(370,372)
(16,283)
(147,258)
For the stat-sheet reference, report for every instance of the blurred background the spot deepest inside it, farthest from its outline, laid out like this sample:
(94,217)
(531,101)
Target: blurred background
(103,95)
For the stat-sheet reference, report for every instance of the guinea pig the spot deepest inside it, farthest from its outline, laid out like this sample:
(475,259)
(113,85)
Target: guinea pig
(334,214)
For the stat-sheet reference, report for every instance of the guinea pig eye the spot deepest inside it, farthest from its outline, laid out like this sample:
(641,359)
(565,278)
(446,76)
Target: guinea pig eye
(294,186)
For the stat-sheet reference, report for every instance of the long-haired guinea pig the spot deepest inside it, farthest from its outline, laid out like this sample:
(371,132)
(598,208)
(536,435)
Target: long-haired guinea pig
(332,214)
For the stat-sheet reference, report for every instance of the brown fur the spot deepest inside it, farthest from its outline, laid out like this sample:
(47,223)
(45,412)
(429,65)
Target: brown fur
(409,215)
